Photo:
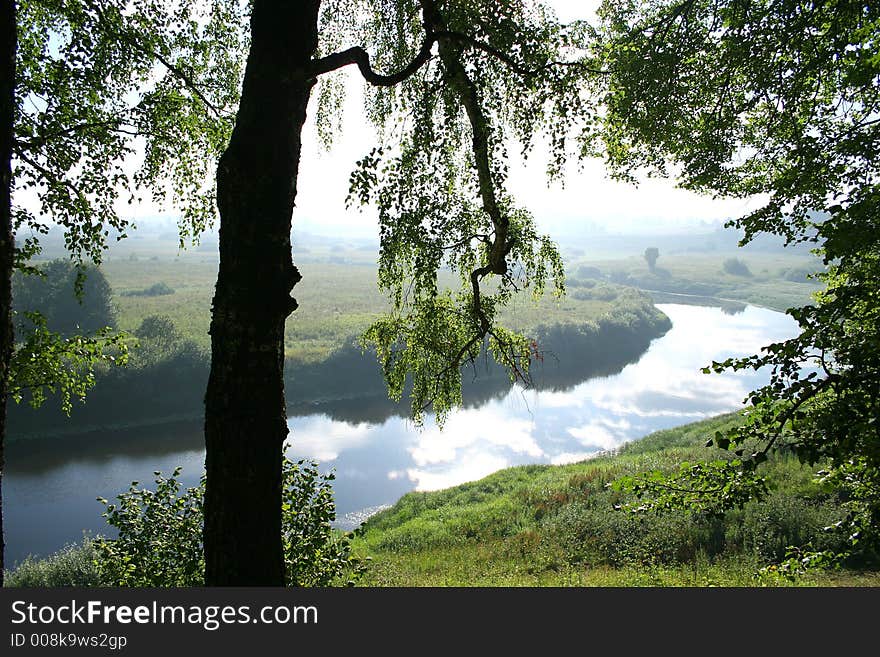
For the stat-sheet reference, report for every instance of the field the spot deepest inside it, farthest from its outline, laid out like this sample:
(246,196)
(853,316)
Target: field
(339,298)
(774,280)
(336,301)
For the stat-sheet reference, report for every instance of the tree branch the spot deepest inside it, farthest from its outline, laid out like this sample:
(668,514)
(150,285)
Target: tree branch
(361,57)
(511,63)
(51,178)
(175,70)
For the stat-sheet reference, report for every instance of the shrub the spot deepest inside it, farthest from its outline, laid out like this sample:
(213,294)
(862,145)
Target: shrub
(159,539)
(602,535)
(159,536)
(157,290)
(596,292)
(736,267)
(73,565)
(769,527)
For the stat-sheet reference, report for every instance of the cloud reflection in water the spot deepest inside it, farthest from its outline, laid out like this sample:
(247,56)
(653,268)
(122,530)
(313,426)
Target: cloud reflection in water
(664,388)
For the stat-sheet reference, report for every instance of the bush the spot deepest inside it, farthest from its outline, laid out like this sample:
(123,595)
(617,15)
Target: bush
(602,535)
(769,527)
(159,539)
(597,293)
(157,290)
(73,565)
(160,536)
(736,267)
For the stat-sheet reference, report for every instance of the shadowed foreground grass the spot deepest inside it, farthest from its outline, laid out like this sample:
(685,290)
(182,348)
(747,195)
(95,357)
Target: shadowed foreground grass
(491,565)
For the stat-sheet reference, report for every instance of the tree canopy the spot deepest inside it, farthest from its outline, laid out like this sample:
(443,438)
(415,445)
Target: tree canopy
(53,294)
(778,100)
(651,254)
(117,101)
(103,108)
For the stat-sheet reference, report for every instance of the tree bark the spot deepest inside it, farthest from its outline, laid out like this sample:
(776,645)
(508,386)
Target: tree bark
(7,245)
(245,414)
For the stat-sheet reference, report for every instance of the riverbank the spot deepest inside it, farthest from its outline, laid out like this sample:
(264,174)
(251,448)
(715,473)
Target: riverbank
(545,525)
(168,387)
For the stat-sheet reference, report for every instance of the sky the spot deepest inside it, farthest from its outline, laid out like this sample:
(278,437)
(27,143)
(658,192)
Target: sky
(588,197)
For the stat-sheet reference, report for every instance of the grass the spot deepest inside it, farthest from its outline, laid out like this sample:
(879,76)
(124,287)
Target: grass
(339,298)
(521,527)
(492,565)
(544,525)
(337,301)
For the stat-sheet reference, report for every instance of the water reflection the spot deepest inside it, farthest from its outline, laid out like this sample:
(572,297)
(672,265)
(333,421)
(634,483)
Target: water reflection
(50,488)
(664,388)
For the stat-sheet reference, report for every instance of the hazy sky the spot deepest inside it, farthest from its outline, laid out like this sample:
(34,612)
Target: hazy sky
(588,196)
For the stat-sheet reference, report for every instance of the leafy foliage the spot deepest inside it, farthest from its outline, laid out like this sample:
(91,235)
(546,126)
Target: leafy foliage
(776,99)
(95,77)
(159,536)
(65,333)
(710,488)
(159,539)
(44,363)
(98,85)
(504,72)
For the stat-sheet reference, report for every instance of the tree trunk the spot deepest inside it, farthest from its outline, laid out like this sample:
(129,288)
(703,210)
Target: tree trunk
(245,415)
(7,245)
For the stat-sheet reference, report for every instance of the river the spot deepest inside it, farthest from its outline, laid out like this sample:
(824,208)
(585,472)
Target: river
(50,487)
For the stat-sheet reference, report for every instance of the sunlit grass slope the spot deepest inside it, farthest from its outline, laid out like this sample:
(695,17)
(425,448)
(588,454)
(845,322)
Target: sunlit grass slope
(543,525)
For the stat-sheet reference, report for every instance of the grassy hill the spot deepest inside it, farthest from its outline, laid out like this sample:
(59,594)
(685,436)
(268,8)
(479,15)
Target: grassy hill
(542,525)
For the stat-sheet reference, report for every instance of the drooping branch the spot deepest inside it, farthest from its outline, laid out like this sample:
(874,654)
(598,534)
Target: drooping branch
(435,31)
(360,57)
(499,243)
(509,61)
(181,75)
(50,178)
(469,95)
